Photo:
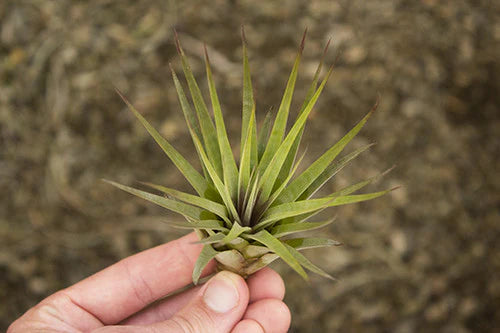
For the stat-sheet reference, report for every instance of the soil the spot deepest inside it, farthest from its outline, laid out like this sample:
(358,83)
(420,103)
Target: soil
(425,258)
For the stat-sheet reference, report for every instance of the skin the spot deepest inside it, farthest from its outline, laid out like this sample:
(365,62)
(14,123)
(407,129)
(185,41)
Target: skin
(129,296)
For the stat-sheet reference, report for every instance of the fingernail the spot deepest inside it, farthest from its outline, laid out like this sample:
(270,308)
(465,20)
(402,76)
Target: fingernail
(221,294)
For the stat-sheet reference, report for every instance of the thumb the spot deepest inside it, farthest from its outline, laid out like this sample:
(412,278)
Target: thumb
(217,307)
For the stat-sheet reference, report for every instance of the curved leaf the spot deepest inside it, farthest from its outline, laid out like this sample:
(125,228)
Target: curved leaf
(302,182)
(198,224)
(173,205)
(279,126)
(331,171)
(245,162)
(311,243)
(235,232)
(287,229)
(207,126)
(307,263)
(211,206)
(264,133)
(288,164)
(229,168)
(274,167)
(207,254)
(297,208)
(199,183)
(248,105)
(280,249)
(215,238)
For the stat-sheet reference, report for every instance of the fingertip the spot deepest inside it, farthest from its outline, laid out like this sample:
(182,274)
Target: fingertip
(225,291)
(217,307)
(272,314)
(248,326)
(264,284)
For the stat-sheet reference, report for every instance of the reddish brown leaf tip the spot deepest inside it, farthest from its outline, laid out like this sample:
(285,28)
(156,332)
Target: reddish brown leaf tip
(205,51)
(325,50)
(388,170)
(121,95)
(395,188)
(177,43)
(172,69)
(327,45)
(375,106)
(243,35)
(303,41)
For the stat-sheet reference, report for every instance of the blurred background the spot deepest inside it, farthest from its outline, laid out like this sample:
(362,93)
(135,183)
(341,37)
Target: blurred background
(425,258)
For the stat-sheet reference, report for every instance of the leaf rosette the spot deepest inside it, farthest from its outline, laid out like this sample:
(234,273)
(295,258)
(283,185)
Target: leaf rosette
(247,213)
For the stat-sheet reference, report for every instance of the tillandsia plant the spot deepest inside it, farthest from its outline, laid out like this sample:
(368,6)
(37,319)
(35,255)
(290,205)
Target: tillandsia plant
(244,213)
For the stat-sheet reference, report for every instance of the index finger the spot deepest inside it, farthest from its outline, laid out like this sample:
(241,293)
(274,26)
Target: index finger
(126,287)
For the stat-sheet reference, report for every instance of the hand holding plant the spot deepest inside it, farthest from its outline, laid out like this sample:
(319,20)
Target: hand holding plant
(129,297)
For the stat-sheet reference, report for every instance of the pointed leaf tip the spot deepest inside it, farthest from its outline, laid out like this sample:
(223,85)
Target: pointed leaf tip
(206,52)
(177,43)
(121,95)
(207,254)
(243,35)
(327,46)
(303,41)
(388,170)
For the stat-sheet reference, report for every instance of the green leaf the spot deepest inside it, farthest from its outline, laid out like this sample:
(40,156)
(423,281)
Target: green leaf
(311,243)
(280,249)
(208,131)
(331,171)
(173,205)
(248,105)
(188,112)
(196,180)
(274,167)
(199,224)
(264,133)
(207,254)
(279,127)
(297,208)
(307,263)
(356,187)
(216,238)
(287,229)
(229,167)
(302,182)
(211,206)
(287,166)
(280,189)
(245,163)
(264,207)
(291,209)
(343,192)
(314,84)
(219,185)
(249,202)
(235,232)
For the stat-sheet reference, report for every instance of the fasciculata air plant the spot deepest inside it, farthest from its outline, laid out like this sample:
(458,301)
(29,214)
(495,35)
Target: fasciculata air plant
(246,211)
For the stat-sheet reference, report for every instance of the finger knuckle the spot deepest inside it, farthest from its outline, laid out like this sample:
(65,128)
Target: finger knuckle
(197,321)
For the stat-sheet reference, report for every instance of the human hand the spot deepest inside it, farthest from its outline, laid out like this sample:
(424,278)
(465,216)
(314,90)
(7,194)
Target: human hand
(118,299)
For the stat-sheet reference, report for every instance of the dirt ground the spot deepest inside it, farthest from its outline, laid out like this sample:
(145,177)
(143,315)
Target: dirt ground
(425,258)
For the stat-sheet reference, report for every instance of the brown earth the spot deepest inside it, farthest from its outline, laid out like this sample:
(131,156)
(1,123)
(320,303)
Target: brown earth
(424,259)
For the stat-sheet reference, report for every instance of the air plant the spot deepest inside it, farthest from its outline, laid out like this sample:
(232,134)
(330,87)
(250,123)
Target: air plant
(246,213)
